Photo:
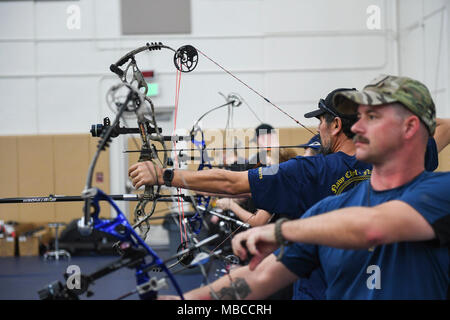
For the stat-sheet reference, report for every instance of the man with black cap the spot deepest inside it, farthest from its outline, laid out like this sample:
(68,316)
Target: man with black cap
(289,188)
(384,239)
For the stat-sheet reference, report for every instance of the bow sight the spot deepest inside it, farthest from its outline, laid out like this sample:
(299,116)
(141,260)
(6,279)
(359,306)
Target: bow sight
(97,129)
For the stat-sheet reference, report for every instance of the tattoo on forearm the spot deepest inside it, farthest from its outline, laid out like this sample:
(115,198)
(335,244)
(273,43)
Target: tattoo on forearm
(237,290)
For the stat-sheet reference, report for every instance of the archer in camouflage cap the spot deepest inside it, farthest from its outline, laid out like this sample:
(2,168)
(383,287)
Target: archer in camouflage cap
(389,89)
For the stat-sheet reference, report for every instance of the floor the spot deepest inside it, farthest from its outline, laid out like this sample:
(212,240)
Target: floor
(22,277)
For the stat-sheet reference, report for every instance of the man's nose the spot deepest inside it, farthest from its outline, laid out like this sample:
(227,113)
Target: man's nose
(357,126)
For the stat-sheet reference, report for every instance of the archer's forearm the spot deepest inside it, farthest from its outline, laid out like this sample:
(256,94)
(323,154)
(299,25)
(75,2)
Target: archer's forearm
(223,195)
(213,180)
(241,213)
(361,227)
(254,219)
(442,133)
(222,288)
(269,276)
(334,229)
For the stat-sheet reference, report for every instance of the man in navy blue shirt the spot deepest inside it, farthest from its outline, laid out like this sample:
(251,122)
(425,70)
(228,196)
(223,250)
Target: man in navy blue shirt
(382,239)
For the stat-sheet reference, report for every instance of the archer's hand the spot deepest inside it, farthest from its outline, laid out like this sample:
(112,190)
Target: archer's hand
(225,203)
(258,241)
(144,173)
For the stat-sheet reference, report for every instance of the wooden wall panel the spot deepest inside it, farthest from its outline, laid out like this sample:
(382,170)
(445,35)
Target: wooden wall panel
(295,136)
(71,159)
(9,181)
(49,164)
(444,159)
(36,177)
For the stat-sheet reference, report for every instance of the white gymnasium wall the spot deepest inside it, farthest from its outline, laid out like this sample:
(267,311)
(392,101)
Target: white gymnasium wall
(424,33)
(54,80)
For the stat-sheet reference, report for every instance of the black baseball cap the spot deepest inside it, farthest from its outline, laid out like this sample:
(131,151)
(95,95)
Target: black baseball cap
(327,106)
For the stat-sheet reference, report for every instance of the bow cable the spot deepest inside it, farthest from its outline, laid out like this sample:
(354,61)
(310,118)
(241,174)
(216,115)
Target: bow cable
(256,92)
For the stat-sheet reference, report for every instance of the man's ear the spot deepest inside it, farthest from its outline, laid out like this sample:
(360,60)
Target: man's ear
(411,126)
(336,126)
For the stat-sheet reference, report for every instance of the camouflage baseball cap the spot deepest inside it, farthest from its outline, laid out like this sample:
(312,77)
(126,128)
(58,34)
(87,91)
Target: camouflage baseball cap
(389,89)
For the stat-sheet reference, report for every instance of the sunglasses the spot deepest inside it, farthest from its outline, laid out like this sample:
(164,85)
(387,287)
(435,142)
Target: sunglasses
(323,106)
